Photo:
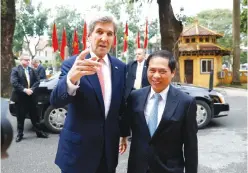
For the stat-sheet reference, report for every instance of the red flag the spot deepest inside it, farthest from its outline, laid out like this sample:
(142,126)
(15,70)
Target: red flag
(146,36)
(63,44)
(125,44)
(115,42)
(55,43)
(138,40)
(84,35)
(75,43)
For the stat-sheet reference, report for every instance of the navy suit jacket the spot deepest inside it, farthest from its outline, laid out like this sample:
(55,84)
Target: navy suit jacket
(173,146)
(131,76)
(19,81)
(87,134)
(41,72)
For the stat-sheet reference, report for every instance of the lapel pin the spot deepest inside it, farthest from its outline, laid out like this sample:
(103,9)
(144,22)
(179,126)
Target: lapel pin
(116,67)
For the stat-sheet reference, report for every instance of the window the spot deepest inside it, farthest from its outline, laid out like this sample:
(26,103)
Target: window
(206,39)
(201,39)
(206,65)
(192,40)
(187,40)
(213,40)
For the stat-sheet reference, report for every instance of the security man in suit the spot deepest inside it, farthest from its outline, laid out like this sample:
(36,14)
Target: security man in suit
(136,76)
(163,122)
(24,81)
(39,68)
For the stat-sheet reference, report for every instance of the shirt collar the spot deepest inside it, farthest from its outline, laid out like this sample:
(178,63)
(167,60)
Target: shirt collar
(105,58)
(141,63)
(163,93)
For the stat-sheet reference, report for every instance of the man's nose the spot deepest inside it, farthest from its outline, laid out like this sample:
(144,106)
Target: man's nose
(104,37)
(156,75)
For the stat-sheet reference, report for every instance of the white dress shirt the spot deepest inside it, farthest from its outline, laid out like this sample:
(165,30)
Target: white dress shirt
(106,68)
(161,104)
(139,72)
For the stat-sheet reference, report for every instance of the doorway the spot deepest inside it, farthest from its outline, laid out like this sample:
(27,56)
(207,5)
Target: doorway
(188,71)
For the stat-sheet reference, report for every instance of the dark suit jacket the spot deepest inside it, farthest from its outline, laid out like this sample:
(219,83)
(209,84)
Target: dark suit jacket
(163,153)
(131,76)
(41,72)
(86,133)
(19,82)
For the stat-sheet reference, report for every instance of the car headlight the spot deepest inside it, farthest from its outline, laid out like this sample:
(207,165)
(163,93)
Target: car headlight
(222,99)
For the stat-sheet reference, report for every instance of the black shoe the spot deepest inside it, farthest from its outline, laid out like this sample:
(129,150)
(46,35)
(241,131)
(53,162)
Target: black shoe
(41,134)
(19,138)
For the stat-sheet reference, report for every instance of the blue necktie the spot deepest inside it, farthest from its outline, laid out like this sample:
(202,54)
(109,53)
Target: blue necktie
(153,118)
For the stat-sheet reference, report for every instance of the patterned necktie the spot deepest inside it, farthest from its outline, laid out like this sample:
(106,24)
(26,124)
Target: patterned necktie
(100,77)
(153,118)
(27,76)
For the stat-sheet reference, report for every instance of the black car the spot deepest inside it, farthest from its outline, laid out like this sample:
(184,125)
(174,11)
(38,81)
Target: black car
(210,104)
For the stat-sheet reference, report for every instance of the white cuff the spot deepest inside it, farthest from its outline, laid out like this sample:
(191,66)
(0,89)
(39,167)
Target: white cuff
(71,88)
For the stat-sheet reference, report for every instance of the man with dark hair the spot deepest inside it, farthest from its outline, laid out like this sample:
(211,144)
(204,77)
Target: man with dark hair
(136,77)
(24,81)
(163,122)
(39,68)
(92,84)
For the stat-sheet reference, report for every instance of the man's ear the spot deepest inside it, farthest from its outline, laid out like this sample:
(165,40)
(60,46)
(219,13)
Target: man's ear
(173,73)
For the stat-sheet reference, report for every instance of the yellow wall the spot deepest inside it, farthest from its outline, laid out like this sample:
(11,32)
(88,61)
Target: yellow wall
(201,79)
(228,76)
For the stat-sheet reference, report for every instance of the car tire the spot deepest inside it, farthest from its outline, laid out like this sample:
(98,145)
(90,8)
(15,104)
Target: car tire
(54,118)
(203,114)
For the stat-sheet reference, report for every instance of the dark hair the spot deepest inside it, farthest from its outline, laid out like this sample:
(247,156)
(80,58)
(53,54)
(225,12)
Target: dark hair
(163,54)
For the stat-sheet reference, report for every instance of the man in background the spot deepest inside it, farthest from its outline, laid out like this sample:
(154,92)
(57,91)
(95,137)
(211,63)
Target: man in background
(39,68)
(136,77)
(24,81)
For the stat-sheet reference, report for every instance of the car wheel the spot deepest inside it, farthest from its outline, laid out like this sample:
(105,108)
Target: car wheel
(54,118)
(203,114)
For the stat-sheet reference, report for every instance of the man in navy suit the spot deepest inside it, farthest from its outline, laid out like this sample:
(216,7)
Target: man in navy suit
(39,68)
(24,81)
(136,76)
(92,85)
(163,122)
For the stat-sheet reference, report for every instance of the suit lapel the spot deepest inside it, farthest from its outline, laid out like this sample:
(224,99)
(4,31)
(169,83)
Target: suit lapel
(134,68)
(115,77)
(170,107)
(22,74)
(93,79)
(144,75)
(142,102)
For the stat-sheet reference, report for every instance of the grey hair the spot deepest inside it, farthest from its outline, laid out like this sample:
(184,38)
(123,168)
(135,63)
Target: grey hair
(143,50)
(101,17)
(24,56)
(36,60)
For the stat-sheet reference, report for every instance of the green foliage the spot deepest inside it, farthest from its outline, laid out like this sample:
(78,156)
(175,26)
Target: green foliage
(219,20)
(69,19)
(243,17)
(30,21)
(243,57)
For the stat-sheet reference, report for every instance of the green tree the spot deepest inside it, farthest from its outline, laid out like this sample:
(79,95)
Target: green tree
(219,20)
(8,18)
(30,22)
(243,17)
(69,19)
